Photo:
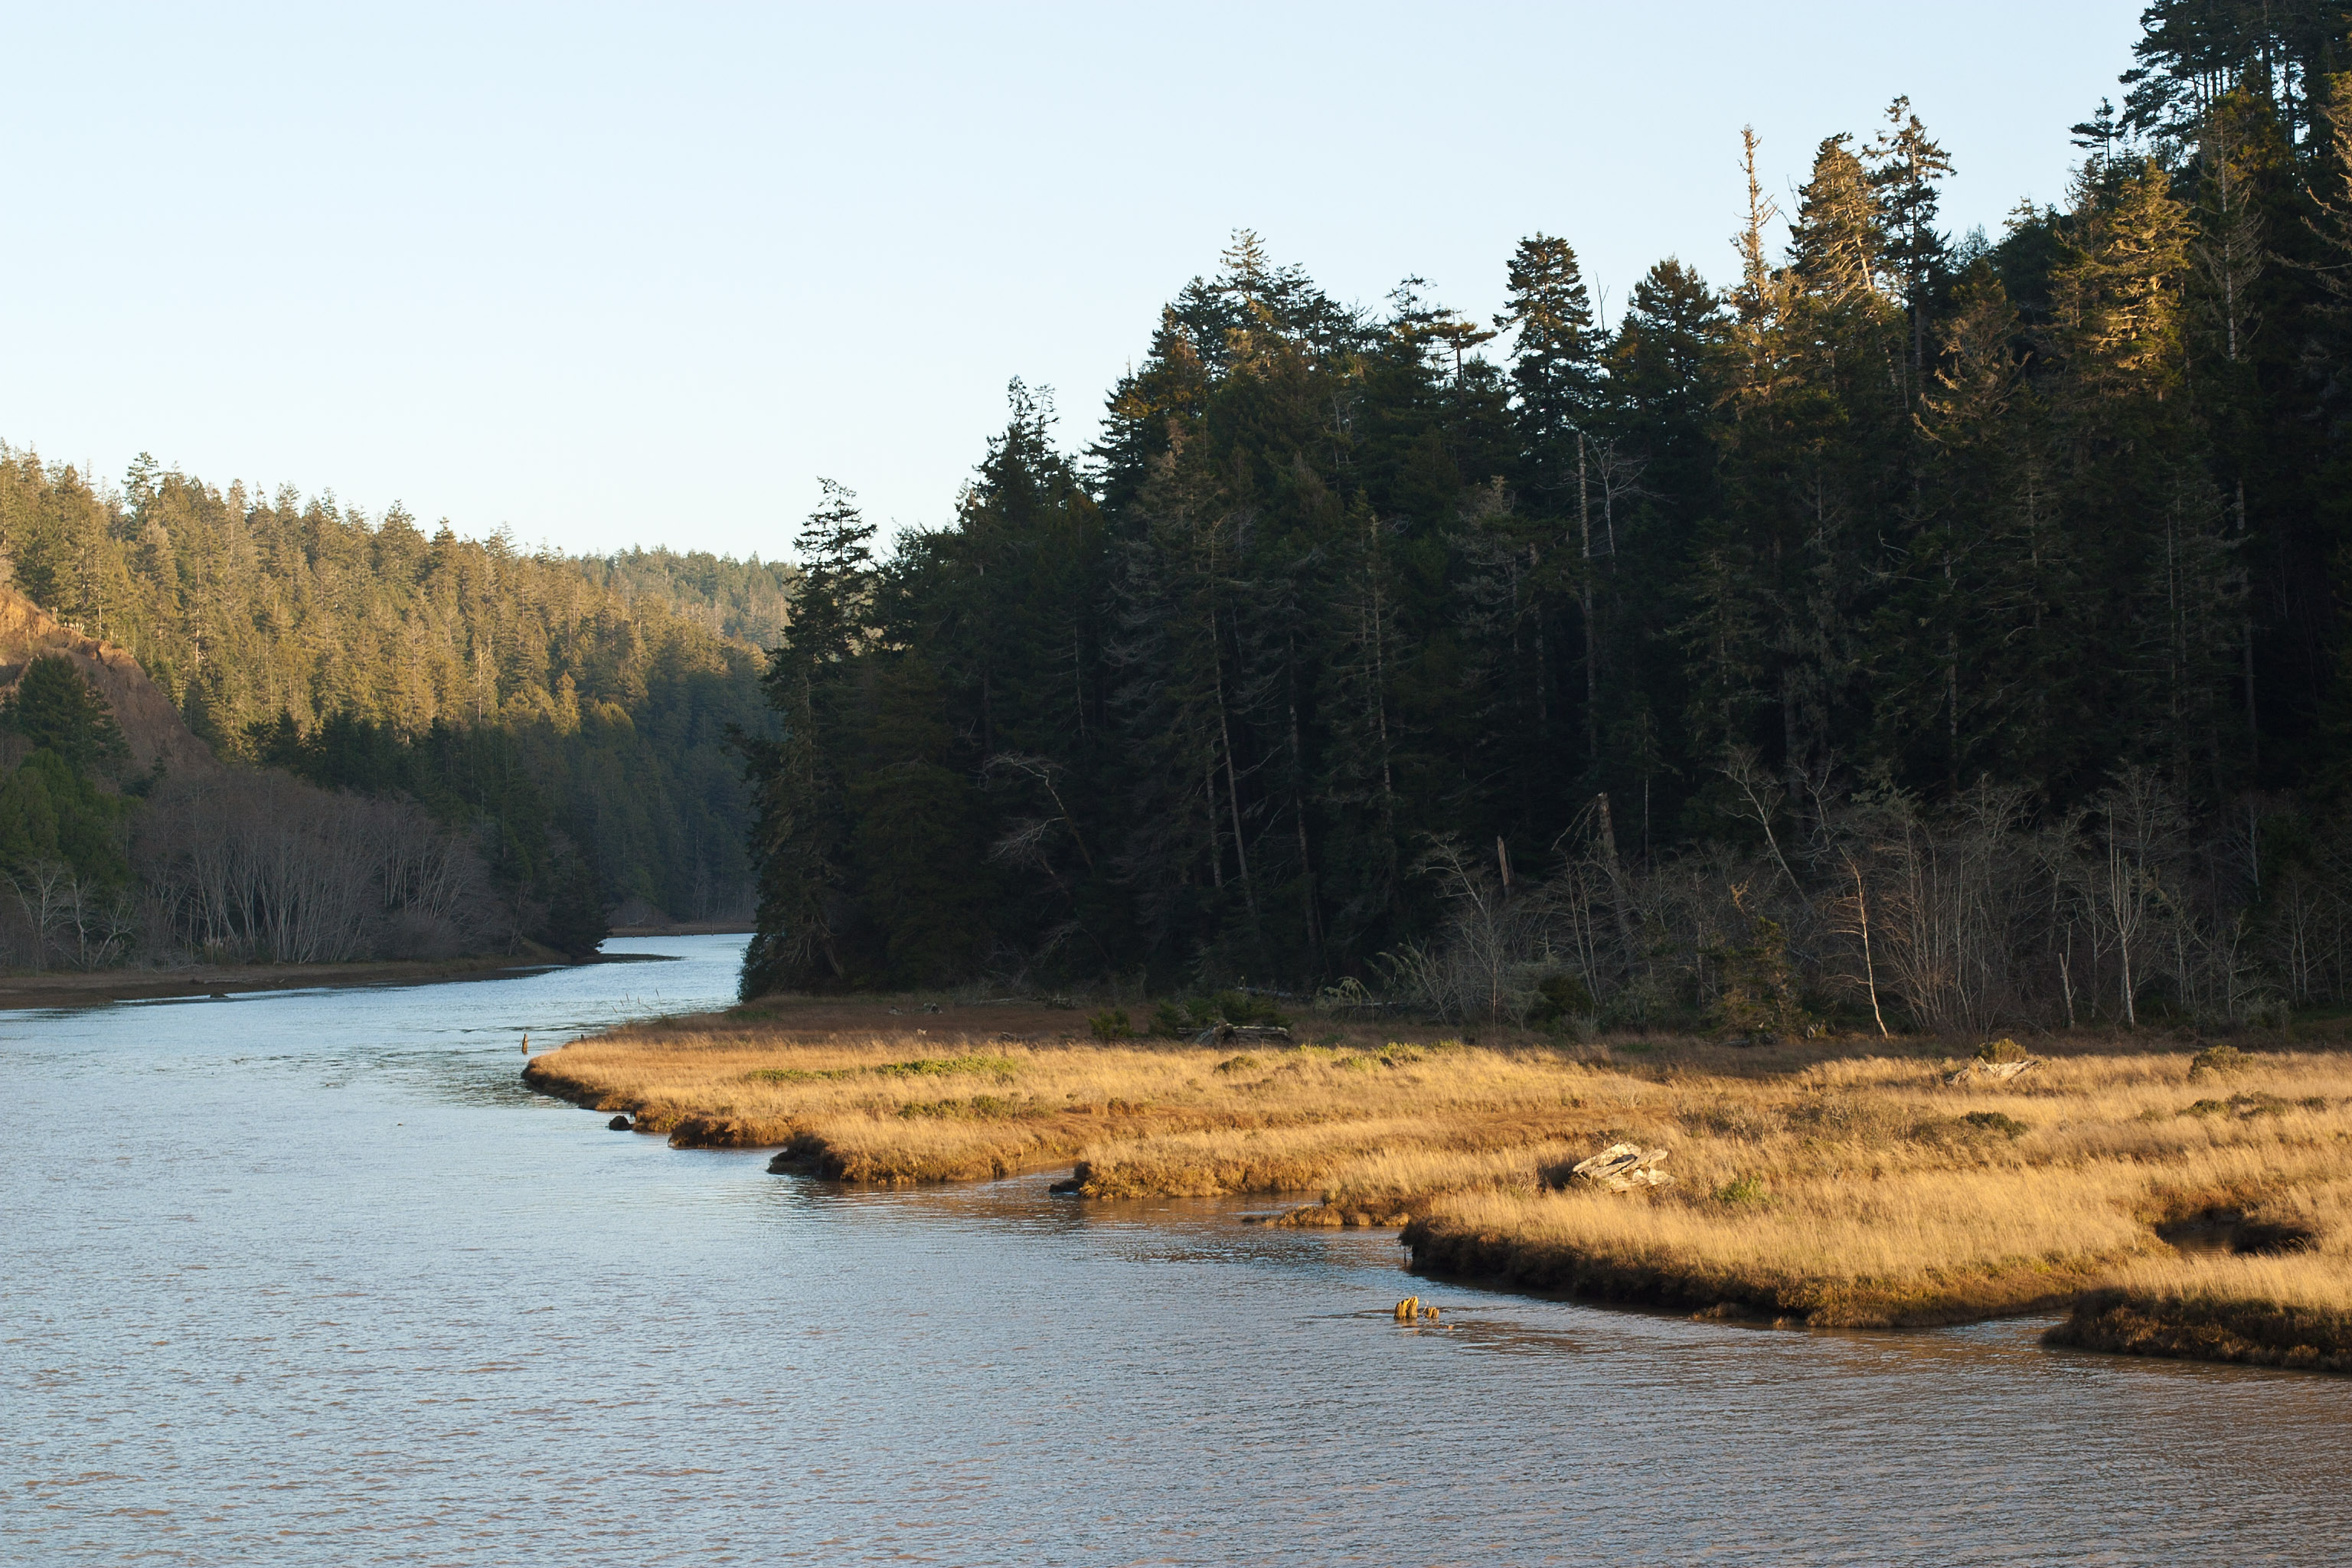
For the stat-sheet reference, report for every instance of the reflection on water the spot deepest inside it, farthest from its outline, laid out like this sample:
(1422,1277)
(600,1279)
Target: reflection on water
(309,1278)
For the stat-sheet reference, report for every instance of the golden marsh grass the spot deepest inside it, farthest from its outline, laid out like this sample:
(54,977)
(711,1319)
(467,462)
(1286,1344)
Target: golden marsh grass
(1829,1182)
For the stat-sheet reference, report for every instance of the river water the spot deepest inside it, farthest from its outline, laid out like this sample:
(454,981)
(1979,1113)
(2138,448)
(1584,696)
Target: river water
(309,1277)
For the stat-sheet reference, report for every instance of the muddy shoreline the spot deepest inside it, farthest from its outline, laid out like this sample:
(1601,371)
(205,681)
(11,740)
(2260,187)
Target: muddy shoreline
(96,988)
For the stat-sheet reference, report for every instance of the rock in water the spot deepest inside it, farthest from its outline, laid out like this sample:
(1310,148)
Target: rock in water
(1621,1167)
(618,1124)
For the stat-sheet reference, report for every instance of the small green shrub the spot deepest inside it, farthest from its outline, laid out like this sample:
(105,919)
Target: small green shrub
(1559,998)
(1997,1122)
(1743,1190)
(1111,1024)
(1240,1007)
(2270,1012)
(1759,996)
(1972,1128)
(2214,1060)
(1243,1063)
(2002,1050)
(943,1067)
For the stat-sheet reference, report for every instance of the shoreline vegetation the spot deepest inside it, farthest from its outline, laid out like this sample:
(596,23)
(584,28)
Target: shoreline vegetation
(685,928)
(2180,1198)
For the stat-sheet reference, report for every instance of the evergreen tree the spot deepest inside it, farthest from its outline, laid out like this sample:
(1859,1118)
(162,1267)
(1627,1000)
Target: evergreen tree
(1908,165)
(801,826)
(1895,533)
(576,924)
(1556,384)
(1555,361)
(55,710)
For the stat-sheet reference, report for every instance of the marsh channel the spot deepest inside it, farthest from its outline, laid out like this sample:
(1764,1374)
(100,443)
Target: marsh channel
(309,1277)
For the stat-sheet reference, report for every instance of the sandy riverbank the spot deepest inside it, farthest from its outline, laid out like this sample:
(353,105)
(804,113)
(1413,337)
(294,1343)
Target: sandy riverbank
(1856,1182)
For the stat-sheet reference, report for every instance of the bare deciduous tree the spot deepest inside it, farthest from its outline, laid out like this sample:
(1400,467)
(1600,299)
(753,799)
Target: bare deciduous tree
(262,865)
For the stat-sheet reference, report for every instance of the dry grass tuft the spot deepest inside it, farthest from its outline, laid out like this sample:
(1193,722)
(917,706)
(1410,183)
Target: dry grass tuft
(1811,1182)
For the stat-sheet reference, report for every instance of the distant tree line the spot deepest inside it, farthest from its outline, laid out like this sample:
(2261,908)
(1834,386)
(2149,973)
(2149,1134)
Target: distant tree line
(99,864)
(575,711)
(742,601)
(1983,591)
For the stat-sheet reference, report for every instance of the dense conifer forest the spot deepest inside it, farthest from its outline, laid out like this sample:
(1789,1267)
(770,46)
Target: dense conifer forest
(1931,629)
(569,717)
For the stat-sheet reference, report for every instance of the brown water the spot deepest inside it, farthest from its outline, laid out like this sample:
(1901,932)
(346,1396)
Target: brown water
(309,1278)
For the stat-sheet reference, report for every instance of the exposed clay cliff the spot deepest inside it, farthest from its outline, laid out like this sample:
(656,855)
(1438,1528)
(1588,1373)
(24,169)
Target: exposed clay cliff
(150,722)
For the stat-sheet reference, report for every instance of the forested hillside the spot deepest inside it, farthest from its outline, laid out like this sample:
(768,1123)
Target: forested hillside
(1933,628)
(578,708)
(744,601)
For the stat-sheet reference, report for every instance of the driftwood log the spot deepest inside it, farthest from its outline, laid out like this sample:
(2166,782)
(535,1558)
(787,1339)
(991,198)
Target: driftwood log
(1621,1167)
(1991,1072)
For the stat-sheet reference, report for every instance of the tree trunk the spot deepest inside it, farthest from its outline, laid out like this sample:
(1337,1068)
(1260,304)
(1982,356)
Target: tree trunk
(1584,594)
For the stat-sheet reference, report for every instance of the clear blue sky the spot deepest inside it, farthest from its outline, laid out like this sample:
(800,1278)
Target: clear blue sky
(637,275)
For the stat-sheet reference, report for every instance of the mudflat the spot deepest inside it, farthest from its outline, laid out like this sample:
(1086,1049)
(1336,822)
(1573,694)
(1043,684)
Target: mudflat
(70,988)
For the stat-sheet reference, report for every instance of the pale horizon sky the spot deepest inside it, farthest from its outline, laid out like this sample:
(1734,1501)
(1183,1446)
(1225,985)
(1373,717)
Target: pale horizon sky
(609,276)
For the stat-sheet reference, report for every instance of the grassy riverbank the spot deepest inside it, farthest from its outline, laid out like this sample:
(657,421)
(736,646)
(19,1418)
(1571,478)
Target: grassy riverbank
(1855,1182)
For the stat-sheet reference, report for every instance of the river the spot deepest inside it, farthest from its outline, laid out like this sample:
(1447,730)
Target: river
(309,1277)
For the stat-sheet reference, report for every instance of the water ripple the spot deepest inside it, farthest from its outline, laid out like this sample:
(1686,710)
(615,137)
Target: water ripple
(309,1278)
